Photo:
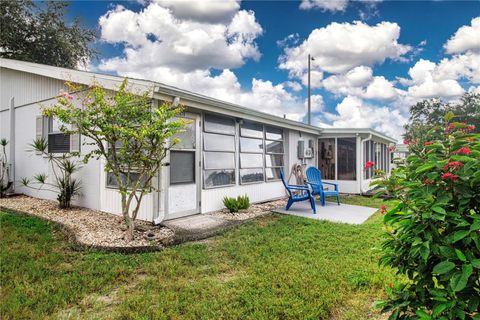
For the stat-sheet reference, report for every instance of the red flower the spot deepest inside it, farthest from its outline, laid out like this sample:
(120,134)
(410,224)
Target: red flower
(453,164)
(470,127)
(427,143)
(369,164)
(428,182)
(383,209)
(449,176)
(391,148)
(463,150)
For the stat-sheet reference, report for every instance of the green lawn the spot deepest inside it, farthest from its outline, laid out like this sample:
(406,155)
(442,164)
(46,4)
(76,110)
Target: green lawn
(274,267)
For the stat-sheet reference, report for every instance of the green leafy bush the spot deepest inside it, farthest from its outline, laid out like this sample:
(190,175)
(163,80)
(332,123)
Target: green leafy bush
(236,204)
(434,228)
(243,202)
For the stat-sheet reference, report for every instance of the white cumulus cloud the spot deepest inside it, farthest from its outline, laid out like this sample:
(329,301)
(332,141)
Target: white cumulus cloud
(202,10)
(466,38)
(340,47)
(352,112)
(324,5)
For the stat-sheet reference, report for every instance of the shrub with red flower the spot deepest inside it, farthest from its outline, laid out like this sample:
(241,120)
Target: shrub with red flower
(453,165)
(449,176)
(428,182)
(463,150)
(369,164)
(433,232)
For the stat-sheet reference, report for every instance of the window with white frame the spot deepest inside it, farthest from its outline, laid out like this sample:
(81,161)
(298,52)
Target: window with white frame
(274,152)
(218,151)
(251,152)
(58,142)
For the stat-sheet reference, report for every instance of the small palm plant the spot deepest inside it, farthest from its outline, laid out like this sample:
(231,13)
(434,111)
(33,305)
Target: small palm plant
(5,182)
(63,168)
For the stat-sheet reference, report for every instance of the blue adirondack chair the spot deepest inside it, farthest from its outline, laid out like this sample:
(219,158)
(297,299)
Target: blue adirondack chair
(314,177)
(304,195)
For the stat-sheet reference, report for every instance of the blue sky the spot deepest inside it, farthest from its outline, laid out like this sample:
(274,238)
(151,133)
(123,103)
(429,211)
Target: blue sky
(373,59)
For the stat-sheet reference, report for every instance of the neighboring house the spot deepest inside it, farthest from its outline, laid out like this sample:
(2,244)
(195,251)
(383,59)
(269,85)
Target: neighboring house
(227,150)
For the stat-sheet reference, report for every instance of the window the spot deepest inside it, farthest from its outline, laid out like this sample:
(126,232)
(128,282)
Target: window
(274,152)
(182,156)
(346,155)
(219,151)
(326,158)
(112,180)
(58,142)
(251,152)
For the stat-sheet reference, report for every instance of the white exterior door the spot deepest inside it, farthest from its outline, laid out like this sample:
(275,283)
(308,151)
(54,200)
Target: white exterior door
(183,191)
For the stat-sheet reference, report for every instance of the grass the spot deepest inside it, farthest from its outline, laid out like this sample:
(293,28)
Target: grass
(274,267)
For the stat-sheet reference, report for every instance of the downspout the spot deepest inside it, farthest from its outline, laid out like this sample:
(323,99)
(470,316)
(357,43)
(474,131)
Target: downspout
(370,136)
(12,143)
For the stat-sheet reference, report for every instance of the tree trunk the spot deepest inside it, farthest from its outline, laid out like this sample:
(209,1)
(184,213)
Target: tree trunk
(128,221)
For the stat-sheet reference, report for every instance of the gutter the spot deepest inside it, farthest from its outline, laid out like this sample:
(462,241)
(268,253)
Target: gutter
(12,143)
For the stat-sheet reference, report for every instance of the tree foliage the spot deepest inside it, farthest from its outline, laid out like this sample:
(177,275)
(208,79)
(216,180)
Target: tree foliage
(430,113)
(433,235)
(37,32)
(127,130)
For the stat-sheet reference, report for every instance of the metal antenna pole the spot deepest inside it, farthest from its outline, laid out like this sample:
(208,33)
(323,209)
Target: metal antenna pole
(309,102)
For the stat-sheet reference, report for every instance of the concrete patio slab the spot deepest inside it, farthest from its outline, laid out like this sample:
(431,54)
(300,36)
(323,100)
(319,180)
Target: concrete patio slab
(343,213)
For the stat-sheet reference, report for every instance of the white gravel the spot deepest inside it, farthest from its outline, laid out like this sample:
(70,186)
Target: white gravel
(255,210)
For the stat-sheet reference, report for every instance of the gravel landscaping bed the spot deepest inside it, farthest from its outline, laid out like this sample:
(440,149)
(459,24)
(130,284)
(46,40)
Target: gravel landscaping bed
(91,228)
(255,210)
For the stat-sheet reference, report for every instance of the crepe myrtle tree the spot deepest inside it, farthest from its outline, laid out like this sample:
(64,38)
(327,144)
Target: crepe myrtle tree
(127,130)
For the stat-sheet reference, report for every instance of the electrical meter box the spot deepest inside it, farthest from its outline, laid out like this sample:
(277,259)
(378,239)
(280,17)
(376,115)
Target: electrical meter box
(304,152)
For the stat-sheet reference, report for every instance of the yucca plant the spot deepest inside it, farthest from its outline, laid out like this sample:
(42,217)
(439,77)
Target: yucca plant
(63,168)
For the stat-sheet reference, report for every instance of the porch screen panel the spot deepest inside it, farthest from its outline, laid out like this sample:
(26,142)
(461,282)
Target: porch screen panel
(274,152)
(219,151)
(251,152)
(346,157)
(326,158)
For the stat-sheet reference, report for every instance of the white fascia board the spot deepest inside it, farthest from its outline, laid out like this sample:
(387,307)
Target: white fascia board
(355,131)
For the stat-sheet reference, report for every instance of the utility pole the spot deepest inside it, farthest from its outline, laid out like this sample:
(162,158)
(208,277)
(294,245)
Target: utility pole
(309,100)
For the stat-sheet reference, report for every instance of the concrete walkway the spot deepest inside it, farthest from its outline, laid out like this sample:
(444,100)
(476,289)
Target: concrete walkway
(343,213)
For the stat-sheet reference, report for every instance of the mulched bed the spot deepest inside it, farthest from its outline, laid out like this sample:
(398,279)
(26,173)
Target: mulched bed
(90,228)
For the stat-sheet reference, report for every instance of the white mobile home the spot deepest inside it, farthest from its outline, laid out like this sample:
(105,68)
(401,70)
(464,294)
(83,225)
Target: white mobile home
(227,150)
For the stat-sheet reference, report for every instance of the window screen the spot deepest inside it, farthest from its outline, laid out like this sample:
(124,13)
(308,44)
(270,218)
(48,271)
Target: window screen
(326,158)
(182,167)
(346,157)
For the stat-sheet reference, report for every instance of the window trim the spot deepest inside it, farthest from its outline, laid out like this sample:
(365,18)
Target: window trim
(204,151)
